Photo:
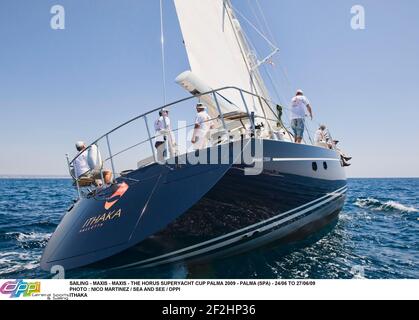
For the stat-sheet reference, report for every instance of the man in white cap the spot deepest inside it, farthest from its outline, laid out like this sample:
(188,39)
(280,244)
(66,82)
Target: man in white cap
(164,135)
(203,125)
(83,170)
(299,104)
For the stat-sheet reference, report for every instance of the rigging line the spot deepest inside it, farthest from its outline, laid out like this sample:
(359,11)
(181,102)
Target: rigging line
(259,24)
(255,28)
(288,90)
(265,26)
(271,35)
(266,70)
(274,86)
(265,21)
(266,30)
(262,26)
(163,58)
(289,84)
(255,68)
(245,51)
(269,31)
(274,83)
(254,74)
(255,71)
(227,4)
(257,19)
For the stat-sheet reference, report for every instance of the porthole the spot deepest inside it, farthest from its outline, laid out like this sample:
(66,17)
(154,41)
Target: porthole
(325,165)
(314,165)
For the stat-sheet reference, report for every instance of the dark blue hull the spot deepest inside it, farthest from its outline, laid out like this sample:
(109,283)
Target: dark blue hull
(194,212)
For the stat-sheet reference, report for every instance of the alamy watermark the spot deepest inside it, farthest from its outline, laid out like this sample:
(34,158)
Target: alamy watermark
(246,152)
(57,21)
(358,20)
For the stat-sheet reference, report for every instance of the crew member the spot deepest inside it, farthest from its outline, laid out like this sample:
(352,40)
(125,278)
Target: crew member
(203,125)
(299,104)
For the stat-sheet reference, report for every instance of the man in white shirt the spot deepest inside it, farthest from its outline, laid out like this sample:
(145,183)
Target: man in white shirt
(164,134)
(203,125)
(322,137)
(299,104)
(81,165)
(83,170)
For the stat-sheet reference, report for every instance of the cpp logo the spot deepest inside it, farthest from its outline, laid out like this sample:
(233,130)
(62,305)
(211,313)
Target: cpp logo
(19,287)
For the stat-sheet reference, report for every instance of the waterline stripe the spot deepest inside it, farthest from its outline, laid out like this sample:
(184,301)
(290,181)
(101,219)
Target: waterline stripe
(304,159)
(233,240)
(331,195)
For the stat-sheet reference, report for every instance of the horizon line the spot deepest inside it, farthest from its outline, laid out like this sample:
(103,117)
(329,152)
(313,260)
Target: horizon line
(60,176)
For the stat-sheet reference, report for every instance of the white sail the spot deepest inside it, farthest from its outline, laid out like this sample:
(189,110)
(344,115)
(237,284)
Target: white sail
(218,52)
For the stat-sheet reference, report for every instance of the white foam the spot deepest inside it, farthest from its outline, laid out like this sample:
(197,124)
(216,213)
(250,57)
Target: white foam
(399,206)
(32,236)
(363,203)
(377,205)
(12,261)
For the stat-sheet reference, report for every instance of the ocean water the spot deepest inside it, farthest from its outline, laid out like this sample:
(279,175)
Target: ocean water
(377,237)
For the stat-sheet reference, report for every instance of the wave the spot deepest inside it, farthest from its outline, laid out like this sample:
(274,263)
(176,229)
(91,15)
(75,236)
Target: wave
(29,240)
(377,205)
(12,262)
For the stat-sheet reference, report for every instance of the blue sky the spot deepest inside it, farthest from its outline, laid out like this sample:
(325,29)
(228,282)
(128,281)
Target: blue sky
(59,86)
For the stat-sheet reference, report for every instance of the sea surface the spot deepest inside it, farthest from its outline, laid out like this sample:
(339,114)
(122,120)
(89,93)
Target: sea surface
(377,237)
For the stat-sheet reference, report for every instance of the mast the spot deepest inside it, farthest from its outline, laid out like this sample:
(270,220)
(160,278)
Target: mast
(219,54)
(257,83)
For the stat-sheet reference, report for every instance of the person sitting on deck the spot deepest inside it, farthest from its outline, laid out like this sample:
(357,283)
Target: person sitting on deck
(82,169)
(323,139)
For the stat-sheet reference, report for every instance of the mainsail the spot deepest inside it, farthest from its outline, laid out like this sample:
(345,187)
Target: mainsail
(219,54)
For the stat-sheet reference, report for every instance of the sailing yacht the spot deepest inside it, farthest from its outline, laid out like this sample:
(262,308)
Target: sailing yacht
(259,189)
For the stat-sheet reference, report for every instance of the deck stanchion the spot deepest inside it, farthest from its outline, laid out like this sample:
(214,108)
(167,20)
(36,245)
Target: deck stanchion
(251,118)
(101,165)
(221,114)
(111,157)
(75,178)
(149,139)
